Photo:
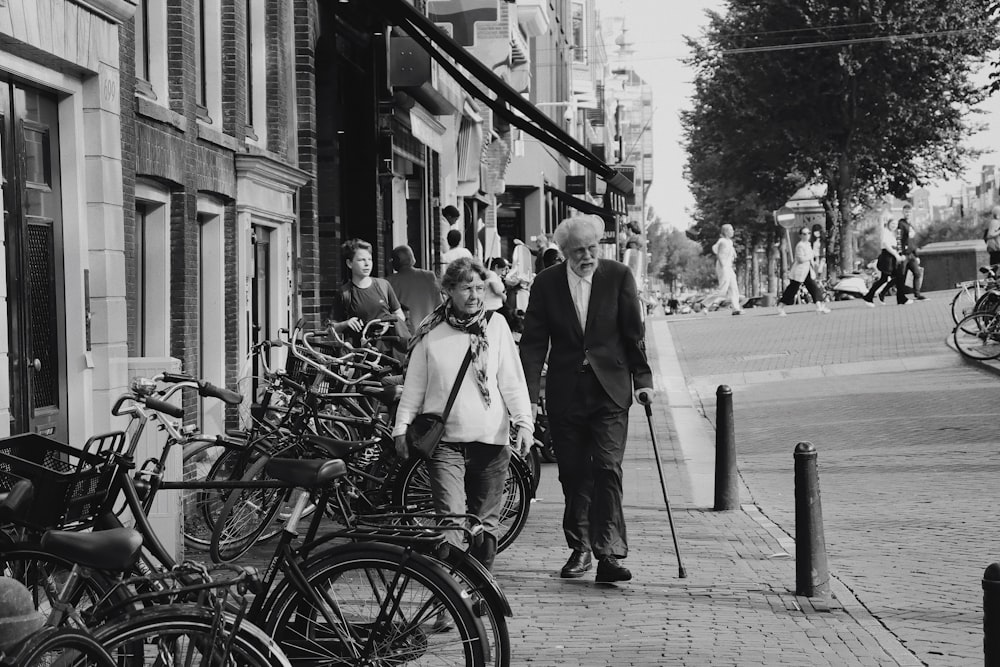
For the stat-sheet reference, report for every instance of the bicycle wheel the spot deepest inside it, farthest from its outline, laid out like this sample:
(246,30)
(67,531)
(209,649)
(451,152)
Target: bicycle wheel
(45,576)
(492,610)
(65,647)
(962,304)
(989,302)
(184,636)
(516,503)
(245,515)
(202,462)
(413,491)
(978,336)
(376,604)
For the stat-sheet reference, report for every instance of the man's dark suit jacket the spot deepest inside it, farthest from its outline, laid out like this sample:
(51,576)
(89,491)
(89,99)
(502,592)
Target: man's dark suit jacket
(614,343)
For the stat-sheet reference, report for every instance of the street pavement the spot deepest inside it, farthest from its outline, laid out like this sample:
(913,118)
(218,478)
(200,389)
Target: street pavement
(908,458)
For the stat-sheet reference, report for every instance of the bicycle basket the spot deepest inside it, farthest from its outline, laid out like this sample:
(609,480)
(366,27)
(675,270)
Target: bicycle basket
(70,484)
(304,374)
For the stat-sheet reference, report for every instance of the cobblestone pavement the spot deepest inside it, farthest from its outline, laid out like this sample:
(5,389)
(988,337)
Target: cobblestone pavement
(736,606)
(908,459)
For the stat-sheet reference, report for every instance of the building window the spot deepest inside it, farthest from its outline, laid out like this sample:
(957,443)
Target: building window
(579,33)
(141,41)
(208,60)
(147,269)
(151,49)
(256,73)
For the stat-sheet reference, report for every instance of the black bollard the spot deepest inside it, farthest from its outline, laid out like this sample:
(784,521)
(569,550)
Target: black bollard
(727,492)
(812,576)
(991,615)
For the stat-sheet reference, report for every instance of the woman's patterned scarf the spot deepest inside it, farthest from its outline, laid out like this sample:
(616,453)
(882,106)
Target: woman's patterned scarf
(474,324)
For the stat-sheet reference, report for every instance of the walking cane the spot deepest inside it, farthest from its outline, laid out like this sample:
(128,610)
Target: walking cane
(681,572)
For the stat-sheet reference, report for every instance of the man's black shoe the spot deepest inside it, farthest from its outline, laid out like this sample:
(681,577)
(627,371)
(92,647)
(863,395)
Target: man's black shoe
(609,570)
(920,297)
(578,563)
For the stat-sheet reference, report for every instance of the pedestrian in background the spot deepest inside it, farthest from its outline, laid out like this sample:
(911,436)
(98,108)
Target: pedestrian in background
(801,273)
(910,262)
(725,267)
(888,262)
(496,291)
(416,289)
(469,467)
(992,236)
(455,251)
(361,298)
(583,316)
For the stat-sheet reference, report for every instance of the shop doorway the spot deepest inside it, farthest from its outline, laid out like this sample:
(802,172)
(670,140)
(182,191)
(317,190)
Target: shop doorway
(32,204)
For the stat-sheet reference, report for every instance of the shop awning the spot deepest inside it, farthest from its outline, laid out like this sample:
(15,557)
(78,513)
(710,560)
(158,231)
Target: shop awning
(498,96)
(581,205)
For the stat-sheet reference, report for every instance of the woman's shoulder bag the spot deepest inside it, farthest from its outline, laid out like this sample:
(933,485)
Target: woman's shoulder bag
(427,429)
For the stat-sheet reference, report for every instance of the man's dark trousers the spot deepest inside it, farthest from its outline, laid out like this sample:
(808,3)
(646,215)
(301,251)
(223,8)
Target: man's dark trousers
(589,440)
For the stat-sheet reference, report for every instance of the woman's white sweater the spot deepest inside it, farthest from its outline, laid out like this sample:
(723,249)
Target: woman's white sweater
(435,362)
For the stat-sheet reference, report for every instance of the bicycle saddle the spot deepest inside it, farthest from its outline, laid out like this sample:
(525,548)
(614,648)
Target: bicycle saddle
(306,473)
(338,449)
(114,549)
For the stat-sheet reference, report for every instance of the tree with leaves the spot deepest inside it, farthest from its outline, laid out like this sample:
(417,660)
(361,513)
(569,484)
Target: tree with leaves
(870,97)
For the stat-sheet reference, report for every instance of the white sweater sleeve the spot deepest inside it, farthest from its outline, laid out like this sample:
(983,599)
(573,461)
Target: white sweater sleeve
(414,387)
(510,378)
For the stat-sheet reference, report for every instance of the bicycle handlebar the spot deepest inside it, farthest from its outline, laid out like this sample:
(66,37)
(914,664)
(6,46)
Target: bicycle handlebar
(166,408)
(14,503)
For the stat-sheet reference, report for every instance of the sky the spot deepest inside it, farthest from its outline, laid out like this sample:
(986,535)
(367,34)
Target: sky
(657,29)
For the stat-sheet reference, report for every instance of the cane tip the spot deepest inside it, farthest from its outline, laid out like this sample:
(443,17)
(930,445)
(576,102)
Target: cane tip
(682,574)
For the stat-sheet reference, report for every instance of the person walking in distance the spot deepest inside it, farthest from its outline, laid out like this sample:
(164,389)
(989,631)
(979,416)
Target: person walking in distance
(992,236)
(801,272)
(910,263)
(416,289)
(888,263)
(725,267)
(454,238)
(584,315)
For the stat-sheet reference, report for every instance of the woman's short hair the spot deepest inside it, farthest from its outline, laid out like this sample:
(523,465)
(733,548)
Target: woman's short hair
(352,246)
(577,225)
(461,271)
(498,263)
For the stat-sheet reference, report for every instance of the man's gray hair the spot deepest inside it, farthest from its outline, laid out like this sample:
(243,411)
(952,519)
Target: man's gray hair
(577,226)
(727,228)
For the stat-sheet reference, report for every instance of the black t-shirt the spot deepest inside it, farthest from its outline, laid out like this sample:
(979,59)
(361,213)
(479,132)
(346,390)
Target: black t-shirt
(369,303)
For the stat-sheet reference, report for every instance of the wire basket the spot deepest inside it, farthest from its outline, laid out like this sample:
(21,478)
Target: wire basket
(299,371)
(70,485)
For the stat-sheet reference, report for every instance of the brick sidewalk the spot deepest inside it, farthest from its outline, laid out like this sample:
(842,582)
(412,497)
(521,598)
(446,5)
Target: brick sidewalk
(736,607)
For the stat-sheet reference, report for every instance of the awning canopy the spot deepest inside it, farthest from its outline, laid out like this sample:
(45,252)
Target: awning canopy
(498,96)
(581,205)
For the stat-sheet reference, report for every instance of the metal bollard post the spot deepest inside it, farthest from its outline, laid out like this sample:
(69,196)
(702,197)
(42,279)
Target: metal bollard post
(812,576)
(727,493)
(991,615)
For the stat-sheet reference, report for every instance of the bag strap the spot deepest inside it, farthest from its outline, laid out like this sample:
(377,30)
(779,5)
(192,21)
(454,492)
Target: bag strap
(460,377)
(457,385)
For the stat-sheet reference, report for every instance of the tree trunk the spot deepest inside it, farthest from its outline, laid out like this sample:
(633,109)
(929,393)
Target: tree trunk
(831,242)
(772,264)
(754,270)
(844,182)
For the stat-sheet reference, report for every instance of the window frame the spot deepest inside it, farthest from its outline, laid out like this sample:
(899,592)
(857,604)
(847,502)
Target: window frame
(153,274)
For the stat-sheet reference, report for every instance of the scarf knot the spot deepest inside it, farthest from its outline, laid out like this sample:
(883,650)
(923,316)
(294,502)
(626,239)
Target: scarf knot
(474,325)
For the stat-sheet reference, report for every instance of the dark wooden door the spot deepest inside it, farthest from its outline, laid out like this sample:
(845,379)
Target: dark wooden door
(32,196)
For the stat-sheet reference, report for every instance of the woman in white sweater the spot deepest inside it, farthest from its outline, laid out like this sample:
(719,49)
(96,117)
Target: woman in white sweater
(468,469)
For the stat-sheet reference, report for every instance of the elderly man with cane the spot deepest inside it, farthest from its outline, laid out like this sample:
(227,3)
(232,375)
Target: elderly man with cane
(585,316)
